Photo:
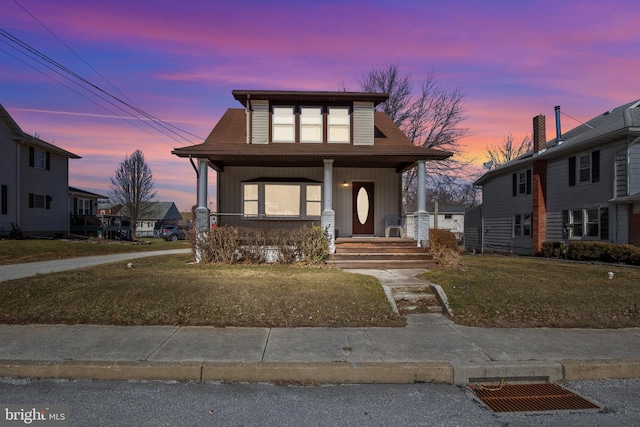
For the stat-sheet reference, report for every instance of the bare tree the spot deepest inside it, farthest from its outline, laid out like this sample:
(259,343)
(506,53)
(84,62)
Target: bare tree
(507,150)
(132,187)
(430,118)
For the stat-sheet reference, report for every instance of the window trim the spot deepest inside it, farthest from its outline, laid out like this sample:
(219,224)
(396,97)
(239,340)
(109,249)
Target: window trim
(302,124)
(302,203)
(585,225)
(291,125)
(338,125)
(576,168)
(522,226)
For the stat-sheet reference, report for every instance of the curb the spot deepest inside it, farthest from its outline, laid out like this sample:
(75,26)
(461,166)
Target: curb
(311,373)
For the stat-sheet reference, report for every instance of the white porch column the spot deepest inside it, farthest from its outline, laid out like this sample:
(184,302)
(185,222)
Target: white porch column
(202,211)
(328,214)
(421,217)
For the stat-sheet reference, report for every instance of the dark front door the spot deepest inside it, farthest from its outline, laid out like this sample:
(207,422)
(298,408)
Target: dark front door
(363,220)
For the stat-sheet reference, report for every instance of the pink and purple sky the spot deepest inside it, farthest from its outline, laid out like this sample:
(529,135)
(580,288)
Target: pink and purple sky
(179,62)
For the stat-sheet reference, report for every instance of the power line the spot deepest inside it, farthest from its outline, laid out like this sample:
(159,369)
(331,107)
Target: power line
(160,125)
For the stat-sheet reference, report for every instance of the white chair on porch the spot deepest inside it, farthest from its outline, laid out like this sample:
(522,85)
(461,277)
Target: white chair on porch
(393,222)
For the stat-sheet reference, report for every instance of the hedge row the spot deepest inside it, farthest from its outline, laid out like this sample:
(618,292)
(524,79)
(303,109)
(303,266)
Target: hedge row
(592,251)
(232,245)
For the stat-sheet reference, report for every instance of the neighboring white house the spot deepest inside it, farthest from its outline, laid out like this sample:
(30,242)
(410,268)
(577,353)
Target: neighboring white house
(582,185)
(155,214)
(34,182)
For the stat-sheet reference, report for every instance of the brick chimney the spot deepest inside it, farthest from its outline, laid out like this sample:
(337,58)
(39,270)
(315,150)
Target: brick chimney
(539,133)
(539,184)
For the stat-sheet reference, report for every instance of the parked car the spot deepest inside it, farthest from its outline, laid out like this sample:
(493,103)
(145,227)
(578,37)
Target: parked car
(173,232)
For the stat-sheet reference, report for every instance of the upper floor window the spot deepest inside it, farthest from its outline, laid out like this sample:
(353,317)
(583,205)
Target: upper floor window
(521,183)
(584,168)
(39,159)
(339,125)
(283,129)
(310,124)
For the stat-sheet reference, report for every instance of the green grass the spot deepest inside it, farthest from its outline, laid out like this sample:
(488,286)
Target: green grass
(31,250)
(166,290)
(533,292)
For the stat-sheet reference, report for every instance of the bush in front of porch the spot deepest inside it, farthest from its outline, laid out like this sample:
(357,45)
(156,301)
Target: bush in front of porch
(233,245)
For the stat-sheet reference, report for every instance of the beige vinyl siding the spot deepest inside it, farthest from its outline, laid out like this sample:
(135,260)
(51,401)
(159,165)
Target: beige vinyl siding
(362,123)
(385,198)
(260,122)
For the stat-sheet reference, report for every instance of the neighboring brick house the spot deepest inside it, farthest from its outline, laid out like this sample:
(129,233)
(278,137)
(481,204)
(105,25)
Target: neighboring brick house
(582,185)
(300,158)
(34,182)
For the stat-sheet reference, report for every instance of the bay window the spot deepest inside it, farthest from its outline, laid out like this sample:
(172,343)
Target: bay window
(281,200)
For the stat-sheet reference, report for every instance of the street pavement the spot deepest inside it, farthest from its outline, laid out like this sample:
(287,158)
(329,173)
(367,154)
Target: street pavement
(430,348)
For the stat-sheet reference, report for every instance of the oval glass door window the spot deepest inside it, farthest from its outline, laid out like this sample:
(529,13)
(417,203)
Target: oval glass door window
(362,203)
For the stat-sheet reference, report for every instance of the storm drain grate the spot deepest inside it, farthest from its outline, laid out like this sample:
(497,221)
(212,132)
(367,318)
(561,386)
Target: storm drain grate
(530,397)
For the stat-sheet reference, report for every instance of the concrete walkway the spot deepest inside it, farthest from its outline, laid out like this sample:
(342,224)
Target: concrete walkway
(431,348)
(19,271)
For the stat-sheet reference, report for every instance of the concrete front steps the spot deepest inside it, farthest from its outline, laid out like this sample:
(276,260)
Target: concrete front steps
(412,298)
(379,252)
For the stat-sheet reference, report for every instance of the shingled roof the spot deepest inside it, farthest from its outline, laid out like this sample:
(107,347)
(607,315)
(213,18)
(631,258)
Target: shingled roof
(226,144)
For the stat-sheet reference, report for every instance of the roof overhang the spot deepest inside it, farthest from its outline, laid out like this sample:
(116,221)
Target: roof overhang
(310,155)
(312,97)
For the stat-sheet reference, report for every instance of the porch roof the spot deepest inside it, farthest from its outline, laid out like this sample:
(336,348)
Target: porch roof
(226,146)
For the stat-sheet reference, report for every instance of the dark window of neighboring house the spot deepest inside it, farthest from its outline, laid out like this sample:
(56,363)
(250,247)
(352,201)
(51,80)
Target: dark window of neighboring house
(39,159)
(521,183)
(39,201)
(589,223)
(522,225)
(584,168)
(3,199)
(593,223)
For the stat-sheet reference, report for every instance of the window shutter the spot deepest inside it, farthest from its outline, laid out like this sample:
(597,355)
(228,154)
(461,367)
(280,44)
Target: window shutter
(48,161)
(48,202)
(31,201)
(604,223)
(514,191)
(528,181)
(595,166)
(3,200)
(32,155)
(572,171)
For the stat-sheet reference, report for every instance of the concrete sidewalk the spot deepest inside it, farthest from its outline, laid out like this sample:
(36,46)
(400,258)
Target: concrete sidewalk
(431,348)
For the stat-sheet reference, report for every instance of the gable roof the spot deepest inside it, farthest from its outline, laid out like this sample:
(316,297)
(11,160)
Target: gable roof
(157,211)
(226,144)
(612,125)
(21,137)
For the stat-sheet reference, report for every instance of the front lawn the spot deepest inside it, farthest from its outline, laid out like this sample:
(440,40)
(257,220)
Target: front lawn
(166,290)
(535,292)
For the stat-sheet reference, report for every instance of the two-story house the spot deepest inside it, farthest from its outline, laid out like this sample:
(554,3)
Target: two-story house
(582,185)
(34,176)
(310,157)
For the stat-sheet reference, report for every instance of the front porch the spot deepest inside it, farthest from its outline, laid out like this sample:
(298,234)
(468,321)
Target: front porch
(379,253)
